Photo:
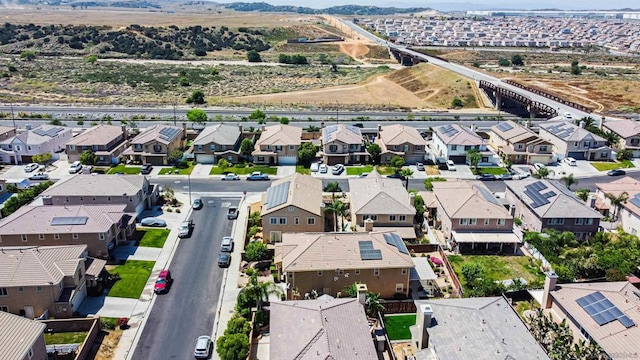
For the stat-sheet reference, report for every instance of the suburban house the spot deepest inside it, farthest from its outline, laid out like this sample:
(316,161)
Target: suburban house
(335,328)
(548,204)
(403,141)
(329,262)
(382,203)
(45,281)
(99,227)
(278,145)
(519,145)
(154,144)
(106,141)
(343,144)
(41,140)
(220,141)
(6,157)
(573,141)
(134,191)
(604,312)
(22,339)
(629,132)
(470,216)
(472,328)
(629,212)
(451,142)
(292,205)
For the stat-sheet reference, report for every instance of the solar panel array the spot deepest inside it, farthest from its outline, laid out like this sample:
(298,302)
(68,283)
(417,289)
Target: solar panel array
(448,130)
(51,132)
(69,220)
(487,195)
(367,252)
(354,129)
(533,191)
(635,200)
(394,239)
(561,130)
(328,131)
(602,310)
(504,127)
(277,195)
(169,133)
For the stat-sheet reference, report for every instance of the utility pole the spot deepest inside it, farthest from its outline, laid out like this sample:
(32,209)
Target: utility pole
(174,113)
(337,112)
(13,118)
(189,179)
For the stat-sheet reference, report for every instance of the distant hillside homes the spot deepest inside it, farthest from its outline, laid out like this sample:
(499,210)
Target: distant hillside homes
(334,10)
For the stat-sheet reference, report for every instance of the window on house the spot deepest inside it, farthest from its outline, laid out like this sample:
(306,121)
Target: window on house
(81,198)
(292,147)
(486,222)
(72,148)
(392,218)
(417,147)
(319,272)
(56,236)
(404,271)
(333,148)
(463,221)
(261,158)
(587,143)
(101,236)
(283,221)
(454,147)
(575,144)
(38,288)
(273,221)
(603,155)
(269,147)
(212,147)
(223,147)
(40,236)
(356,271)
(3,292)
(296,221)
(311,221)
(502,222)
(635,141)
(399,287)
(376,272)
(279,148)
(543,147)
(4,308)
(20,289)
(555,221)
(406,148)
(520,146)
(75,235)
(402,218)
(340,272)
(24,238)
(473,221)
(467,147)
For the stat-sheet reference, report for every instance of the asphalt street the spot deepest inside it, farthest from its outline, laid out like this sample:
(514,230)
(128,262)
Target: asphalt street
(188,309)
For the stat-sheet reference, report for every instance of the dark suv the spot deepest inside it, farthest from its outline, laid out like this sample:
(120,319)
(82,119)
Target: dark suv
(146,169)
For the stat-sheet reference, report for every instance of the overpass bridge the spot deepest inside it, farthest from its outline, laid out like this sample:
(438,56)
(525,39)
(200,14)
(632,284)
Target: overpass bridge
(499,93)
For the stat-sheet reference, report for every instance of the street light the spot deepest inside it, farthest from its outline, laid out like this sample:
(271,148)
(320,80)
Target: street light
(337,112)
(13,118)
(174,113)
(189,179)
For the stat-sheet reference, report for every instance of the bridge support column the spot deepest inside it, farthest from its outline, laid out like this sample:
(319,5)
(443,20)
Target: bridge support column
(498,101)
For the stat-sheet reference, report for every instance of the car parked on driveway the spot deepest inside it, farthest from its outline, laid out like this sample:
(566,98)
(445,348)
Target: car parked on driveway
(486,177)
(616,172)
(153,222)
(451,166)
(337,169)
(506,177)
(420,166)
(539,166)
(185,229)
(324,168)
(224,259)
(203,347)
(39,176)
(570,161)
(31,167)
(230,177)
(163,283)
(314,167)
(146,169)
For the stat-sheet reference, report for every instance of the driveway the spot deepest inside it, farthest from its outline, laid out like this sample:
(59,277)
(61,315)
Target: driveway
(132,252)
(108,306)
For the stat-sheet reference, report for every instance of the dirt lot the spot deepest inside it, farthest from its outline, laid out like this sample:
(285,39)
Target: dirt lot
(107,342)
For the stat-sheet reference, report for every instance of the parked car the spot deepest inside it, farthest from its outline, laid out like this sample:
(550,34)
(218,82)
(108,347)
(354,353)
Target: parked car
(616,172)
(163,283)
(538,166)
(232,213)
(324,168)
(39,176)
(568,115)
(197,204)
(203,347)
(257,176)
(314,167)
(363,175)
(420,166)
(146,169)
(506,177)
(442,165)
(31,167)
(486,177)
(75,167)
(185,229)
(230,177)
(224,259)
(153,222)
(570,161)
(522,175)
(227,244)
(451,166)
(337,169)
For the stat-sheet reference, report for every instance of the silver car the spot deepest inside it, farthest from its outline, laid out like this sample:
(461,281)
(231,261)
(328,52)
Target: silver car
(230,177)
(203,347)
(153,222)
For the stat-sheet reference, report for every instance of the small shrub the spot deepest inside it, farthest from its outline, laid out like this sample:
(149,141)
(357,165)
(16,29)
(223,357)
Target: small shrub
(256,251)
(178,211)
(169,210)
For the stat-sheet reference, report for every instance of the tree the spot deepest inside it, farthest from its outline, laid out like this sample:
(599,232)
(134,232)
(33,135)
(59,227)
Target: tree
(517,60)
(176,155)
(246,147)
(583,194)
(612,139)
(42,159)
(472,271)
(256,292)
(253,56)
(504,62)
(81,123)
(457,103)
(543,173)
(256,251)
(333,187)
(223,163)
(307,153)
(238,325)
(257,115)
(56,122)
(88,157)
(428,182)
(374,151)
(406,174)
(397,162)
(233,347)
(624,154)
(575,68)
(284,120)
(473,158)
(312,129)
(91,59)
(28,55)
(196,97)
(569,180)
(197,116)
(373,304)
(617,201)
(337,208)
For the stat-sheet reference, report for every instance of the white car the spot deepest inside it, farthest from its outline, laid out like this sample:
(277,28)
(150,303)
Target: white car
(315,167)
(451,166)
(203,347)
(324,169)
(570,161)
(31,167)
(538,166)
(568,115)
(230,177)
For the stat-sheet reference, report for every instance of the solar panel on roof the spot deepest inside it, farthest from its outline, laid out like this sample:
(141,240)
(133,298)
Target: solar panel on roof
(504,126)
(277,195)
(373,254)
(635,200)
(69,220)
(395,240)
(624,320)
(365,245)
(602,310)
(169,133)
(51,132)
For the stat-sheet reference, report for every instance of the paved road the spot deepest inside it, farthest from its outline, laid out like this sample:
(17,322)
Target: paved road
(188,310)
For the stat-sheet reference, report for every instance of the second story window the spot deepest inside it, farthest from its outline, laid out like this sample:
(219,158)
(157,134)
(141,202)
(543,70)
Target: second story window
(40,236)
(75,235)
(486,222)
(137,146)
(24,238)
(273,221)
(72,148)
(56,236)
(454,147)
(392,218)
(292,147)
(157,148)
(406,148)
(311,221)
(543,147)
(3,292)
(555,221)
(502,222)
(333,148)
(212,147)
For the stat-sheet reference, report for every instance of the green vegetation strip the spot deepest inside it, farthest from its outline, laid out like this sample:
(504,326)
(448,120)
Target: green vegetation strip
(244,170)
(606,166)
(398,326)
(129,170)
(172,170)
(303,170)
(492,170)
(65,338)
(357,170)
(154,237)
(499,267)
(134,274)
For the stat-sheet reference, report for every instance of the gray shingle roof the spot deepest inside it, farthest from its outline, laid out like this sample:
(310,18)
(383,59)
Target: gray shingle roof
(22,266)
(374,195)
(320,329)
(222,134)
(17,335)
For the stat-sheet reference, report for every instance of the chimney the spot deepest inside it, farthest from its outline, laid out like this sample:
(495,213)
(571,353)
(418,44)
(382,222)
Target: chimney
(549,285)
(262,128)
(592,201)
(412,199)
(184,130)
(124,131)
(473,128)
(362,294)
(582,124)
(240,128)
(379,130)
(368,225)
(322,124)
(424,314)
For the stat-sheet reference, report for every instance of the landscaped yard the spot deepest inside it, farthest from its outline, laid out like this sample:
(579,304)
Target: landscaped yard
(154,237)
(357,170)
(492,170)
(172,170)
(606,165)
(499,267)
(271,170)
(133,276)
(124,169)
(303,170)
(398,326)
(65,338)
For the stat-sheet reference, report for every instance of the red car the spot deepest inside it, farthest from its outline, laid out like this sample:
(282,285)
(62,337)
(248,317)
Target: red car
(163,283)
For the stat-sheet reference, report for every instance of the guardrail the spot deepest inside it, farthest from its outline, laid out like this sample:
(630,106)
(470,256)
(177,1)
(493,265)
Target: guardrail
(548,95)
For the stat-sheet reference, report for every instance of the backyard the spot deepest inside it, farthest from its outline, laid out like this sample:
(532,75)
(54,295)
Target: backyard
(154,237)
(216,170)
(499,267)
(397,326)
(134,275)
(65,338)
(606,166)
(124,169)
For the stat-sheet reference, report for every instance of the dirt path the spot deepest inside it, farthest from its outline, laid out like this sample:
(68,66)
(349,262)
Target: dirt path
(575,94)
(355,50)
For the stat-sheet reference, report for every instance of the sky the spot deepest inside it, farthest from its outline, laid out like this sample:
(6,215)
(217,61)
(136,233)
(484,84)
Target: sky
(464,4)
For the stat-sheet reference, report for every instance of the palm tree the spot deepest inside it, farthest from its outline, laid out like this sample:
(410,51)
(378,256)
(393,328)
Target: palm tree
(612,139)
(406,174)
(583,194)
(569,180)
(474,157)
(543,173)
(259,291)
(373,304)
(337,208)
(617,201)
(333,187)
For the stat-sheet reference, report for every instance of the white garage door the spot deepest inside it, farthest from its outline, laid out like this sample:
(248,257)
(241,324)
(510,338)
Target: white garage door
(287,160)
(205,159)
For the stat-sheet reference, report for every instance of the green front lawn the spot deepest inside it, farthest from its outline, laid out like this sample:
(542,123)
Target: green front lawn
(181,171)
(398,326)
(271,170)
(499,267)
(606,165)
(134,274)
(492,170)
(65,338)
(303,170)
(122,168)
(154,237)
(357,170)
